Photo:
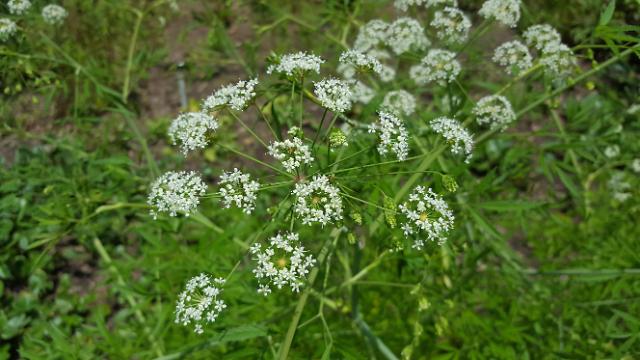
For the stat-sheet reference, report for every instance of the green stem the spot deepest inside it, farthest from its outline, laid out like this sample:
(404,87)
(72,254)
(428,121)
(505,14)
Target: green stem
(132,47)
(283,353)
(248,129)
(249,157)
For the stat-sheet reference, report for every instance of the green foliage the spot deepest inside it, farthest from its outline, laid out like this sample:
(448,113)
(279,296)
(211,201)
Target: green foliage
(543,264)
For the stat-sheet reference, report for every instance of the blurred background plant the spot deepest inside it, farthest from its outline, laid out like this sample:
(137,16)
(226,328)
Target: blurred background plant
(544,263)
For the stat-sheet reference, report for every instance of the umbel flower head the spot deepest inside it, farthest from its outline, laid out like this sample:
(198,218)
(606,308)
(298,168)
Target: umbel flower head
(237,188)
(541,35)
(371,35)
(333,94)
(7,29)
(199,303)
(189,130)
(451,25)
(360,61)
(360,92)
(506,12)
(558,60)
(399,102)
(439,66)
(317,201)
(457,136)
(235,96)
(18,7)
(292,153)
(495,111)
(514,56)
(176,192)
(297,64)
(406,34)
(403,5)
(54,14)
(281,263)
(428,217)
(392,134)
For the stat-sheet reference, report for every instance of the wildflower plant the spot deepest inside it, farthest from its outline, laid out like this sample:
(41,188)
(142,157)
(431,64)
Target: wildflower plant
(360,149)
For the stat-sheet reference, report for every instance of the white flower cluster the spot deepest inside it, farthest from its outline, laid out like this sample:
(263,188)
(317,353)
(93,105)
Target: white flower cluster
(317,201)
(451,25)
(557,58)
(399,102)
(176,192)
(392,134)
(199,303)
(619,186)
(495,111)
(281,263)
(334,94)
(506,12)
(403,5)
(360,92)
(612,151)
(457,136)
(635,165)
(513,55)
(541,35)
(371,35)
(189,130)
(360,61)
(54,14)
(439,66)
(406,34)
(296,64)
(7,29)
(237,188)
(235,96)
(428,217)
(18,7)
(292,153)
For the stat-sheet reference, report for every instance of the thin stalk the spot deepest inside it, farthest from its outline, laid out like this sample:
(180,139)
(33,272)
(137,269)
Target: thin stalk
(315,138)
(283,353)
(249,157)
(572,154)
(275,134)
(132,47)
(249,129)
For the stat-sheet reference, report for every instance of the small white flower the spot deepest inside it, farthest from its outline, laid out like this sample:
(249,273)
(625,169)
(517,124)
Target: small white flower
(281,263)
(199,303)
(540,36)
(189,130)
(292,153)
(360,61)
(612,151)
(406,34)
(54,14)
(439,66)
(635,165)
(399,102)
(235,96)
(296,64)
(18,7)
(392,135)
(333,94)
(506,12)
(495,111)
(237,188)
(558,60)
(371,35)
(457,136)
(7,29)
(360,92)
(387,73)
(428,217)
(176,192)
(513,55)
(451,25)
(317,201)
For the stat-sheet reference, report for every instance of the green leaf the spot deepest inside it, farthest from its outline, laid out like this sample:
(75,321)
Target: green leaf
(607,14)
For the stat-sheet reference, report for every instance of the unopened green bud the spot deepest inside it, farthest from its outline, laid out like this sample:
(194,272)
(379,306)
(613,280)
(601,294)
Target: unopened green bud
(449,183)
(337,138)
